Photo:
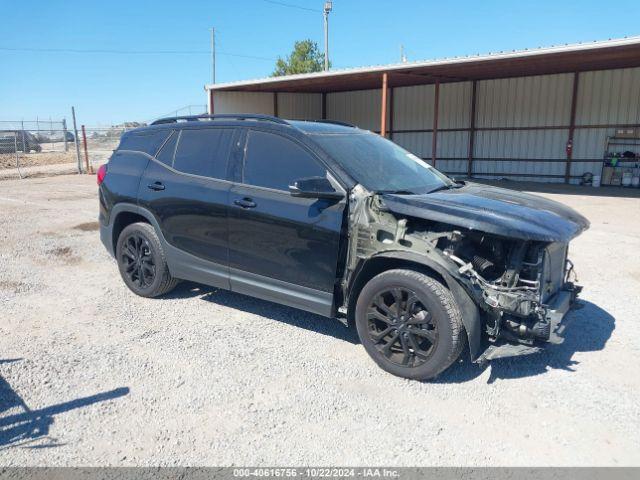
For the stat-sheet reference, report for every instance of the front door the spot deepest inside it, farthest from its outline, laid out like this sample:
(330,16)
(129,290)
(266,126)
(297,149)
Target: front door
(281,247)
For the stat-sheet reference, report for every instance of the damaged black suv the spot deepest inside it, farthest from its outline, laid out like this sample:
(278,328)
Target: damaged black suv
(341,222)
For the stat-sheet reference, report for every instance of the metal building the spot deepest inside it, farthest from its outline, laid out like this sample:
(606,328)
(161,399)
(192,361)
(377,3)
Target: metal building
(542,114)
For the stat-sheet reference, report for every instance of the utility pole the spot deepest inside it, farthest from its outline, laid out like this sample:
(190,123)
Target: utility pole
(327,8)
(213,55)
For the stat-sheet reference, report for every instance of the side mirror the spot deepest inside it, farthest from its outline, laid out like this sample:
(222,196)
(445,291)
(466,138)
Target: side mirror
(314,187)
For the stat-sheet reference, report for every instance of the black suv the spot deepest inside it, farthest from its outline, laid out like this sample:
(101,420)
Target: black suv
(341,222)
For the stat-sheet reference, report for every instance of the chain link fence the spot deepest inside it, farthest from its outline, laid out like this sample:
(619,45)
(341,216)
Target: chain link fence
(42,147)
(37,147)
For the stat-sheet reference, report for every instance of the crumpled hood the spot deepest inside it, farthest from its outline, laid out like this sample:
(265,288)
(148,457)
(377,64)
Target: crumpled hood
(498,211)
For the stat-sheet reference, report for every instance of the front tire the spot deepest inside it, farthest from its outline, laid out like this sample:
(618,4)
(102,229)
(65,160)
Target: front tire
(409,324)
(142,262)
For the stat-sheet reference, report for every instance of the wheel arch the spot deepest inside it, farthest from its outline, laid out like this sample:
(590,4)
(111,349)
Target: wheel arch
(381,262)
(124,214)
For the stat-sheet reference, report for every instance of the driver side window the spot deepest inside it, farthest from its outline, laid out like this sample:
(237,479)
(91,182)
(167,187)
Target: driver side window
(273,161)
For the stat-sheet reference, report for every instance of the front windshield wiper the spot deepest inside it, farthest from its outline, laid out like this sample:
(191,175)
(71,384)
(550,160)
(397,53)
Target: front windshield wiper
(445,187)
(396,192)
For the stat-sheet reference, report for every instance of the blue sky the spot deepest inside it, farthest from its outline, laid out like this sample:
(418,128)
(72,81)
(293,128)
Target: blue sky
(110,88)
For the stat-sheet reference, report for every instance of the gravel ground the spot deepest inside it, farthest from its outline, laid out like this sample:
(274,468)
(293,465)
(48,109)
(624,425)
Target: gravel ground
(90,374)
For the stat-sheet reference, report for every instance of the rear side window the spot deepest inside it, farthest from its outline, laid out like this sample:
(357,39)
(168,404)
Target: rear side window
(273,161)
(203,152)
(147,142)
(165,155)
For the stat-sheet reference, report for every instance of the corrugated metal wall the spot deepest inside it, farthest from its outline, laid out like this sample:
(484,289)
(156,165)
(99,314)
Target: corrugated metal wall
(300,106)
(521,124)
(361,108)
(243,102)
(604,97)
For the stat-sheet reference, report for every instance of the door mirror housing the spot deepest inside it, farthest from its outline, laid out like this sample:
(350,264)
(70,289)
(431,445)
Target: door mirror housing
(314,187)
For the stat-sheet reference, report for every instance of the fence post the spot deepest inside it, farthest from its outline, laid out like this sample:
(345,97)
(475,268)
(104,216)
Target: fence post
(64,134)
(86,152)
(75,132)
(24,143)
(15,144)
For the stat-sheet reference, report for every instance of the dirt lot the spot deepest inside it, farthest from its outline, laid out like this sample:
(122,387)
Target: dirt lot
(92,375)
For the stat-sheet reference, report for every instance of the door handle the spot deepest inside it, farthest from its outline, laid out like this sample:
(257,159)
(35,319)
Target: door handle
(156,186)
(245,203)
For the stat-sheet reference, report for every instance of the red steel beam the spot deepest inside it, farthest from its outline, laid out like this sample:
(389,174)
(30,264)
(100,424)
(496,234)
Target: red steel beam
(383,106)
(390,113)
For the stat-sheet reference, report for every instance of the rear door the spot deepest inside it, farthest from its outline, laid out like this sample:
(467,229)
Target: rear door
(186,189)
(282,248)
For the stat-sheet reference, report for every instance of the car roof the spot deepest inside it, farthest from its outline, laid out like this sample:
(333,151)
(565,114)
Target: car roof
(311,127)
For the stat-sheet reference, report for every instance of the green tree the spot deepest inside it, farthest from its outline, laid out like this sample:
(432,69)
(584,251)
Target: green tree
(305,58)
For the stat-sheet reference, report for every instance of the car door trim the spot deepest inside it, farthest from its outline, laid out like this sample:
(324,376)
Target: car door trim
(278,291)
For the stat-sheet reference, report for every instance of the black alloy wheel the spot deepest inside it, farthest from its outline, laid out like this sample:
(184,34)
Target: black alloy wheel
(409,323)
(401,328)
(138,261)
(142,261)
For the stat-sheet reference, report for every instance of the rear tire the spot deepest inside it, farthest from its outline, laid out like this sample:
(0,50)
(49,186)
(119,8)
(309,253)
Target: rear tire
(142,262)
(409,324)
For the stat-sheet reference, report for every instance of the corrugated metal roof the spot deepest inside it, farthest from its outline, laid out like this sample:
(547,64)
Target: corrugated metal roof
(620,52)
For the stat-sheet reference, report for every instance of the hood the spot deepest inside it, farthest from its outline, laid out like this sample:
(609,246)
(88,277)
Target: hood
(498,211)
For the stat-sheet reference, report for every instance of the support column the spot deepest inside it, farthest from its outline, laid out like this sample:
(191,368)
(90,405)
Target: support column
(210,102)
(275,104)
(572,127)
(391,113)
(472,129)
(383,106)
(434,139)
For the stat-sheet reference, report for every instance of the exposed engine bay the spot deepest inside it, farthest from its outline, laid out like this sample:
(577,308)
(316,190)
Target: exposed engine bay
(520,286)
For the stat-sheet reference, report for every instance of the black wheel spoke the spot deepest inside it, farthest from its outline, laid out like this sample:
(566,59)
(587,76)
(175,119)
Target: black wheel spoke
(411,302)
(379,302)
(137,260)
(401,328)
(374,314)
(397,297)
(377,337)
(405,349)
(387,348)
(428,334)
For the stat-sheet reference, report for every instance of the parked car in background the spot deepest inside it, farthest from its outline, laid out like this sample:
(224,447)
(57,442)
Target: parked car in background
(23,140)
(344,223)
(53,137)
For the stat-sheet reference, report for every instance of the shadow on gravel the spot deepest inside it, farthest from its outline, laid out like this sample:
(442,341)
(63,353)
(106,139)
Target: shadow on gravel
(587,330)
(274,311)
(29,425)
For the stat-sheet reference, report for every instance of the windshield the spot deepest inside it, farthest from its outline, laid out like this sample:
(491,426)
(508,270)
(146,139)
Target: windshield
(380,165)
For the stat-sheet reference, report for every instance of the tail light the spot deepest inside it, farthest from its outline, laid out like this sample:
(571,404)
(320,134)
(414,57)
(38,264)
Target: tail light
(102,172)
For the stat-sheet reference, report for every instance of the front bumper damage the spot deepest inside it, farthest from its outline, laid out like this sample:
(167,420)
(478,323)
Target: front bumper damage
(555,314)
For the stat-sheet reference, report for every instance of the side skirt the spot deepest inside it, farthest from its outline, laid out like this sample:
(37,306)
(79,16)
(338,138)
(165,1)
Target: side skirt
(296,296)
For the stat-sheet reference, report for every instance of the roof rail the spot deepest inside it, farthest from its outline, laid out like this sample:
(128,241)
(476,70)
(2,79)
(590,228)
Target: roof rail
(224,116)
(333,122)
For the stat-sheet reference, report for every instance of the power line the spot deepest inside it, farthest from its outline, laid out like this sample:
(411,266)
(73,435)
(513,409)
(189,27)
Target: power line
(290,5)
(132,52)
